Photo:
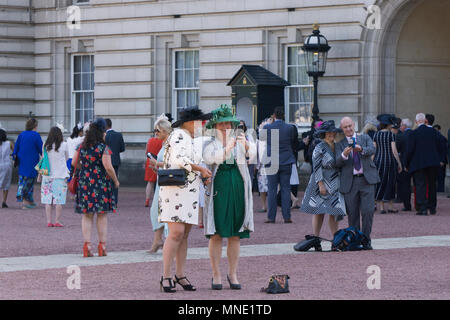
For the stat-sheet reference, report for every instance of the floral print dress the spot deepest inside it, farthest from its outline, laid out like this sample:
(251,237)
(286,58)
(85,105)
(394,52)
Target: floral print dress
(95,190)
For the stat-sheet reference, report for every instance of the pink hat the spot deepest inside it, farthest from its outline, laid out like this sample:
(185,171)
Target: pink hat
(318,124)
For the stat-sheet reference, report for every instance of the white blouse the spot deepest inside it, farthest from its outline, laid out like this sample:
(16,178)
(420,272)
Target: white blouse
(58,161)
(73,145)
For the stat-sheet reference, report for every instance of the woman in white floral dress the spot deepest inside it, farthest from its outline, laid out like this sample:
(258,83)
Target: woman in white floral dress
(178,205)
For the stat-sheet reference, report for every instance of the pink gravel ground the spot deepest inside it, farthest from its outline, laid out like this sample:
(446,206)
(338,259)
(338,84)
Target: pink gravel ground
(420,273)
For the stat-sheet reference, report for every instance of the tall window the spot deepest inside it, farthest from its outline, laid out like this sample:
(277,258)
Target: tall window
(186,79)
(83,88)
(300,93)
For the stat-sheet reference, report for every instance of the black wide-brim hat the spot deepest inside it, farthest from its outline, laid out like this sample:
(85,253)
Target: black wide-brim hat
(327,126)
(191,114)
(386,119)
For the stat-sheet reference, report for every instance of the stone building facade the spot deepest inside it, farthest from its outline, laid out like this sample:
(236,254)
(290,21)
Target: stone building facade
(131,60)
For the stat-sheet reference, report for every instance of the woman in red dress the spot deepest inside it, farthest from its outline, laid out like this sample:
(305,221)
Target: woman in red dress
(153,146)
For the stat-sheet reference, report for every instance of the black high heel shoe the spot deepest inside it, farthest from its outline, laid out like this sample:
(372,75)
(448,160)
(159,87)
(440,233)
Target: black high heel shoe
(186,287)
(234,286)
(170,288)
(215,286)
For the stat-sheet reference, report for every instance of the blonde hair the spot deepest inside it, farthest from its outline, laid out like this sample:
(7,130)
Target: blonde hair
(163,123)
(369,127)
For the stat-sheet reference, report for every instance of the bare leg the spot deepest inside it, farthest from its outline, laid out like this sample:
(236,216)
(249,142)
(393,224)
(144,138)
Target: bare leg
(149,190)
(215,254)
(334,225)
(391,206)
(58,210)
(233,249)
(294,200)
(86,226)
(102,226)
(200,217)
(182,253)
(157,240)
(171,245)
(264,200)
(48,213)
(317,222)
(5,195)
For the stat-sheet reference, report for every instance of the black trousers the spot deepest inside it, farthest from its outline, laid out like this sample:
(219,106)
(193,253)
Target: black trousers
(404,189)
(422,178)
(441,179)
(116,191)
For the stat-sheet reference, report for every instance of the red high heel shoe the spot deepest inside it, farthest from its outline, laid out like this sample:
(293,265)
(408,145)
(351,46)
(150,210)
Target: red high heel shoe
(86,251)
(147,203)
(102,249)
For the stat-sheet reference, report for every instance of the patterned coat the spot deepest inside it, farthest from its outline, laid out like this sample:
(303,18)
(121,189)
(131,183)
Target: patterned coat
(324,169)
(180,203)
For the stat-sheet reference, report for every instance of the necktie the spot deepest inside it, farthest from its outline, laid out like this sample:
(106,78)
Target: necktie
(356,161)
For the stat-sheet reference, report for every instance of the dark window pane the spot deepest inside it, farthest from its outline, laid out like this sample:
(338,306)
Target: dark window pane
(78,101)
(77,81)
(179,57)
(86,81)
(181,99)
(92,82)
(179,79)
(92,64)
(196,60)
(86,64)
(189,59)
(189,76)
(77,64)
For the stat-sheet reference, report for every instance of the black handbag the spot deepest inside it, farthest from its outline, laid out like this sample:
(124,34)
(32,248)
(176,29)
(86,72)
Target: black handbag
(277,284)
(171,177)
(309,242)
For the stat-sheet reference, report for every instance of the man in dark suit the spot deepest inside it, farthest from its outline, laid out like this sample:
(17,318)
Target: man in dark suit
(279,168)
(114,140)
(404,177)
(424,157)
(359,177)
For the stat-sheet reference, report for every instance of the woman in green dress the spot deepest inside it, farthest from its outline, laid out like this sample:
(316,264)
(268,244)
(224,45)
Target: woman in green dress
(228,202)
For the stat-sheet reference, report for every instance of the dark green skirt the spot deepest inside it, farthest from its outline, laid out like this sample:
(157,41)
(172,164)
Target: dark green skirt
(229,201)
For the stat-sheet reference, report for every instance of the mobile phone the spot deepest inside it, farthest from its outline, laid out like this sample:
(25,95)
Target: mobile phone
(150,156)
(352,144)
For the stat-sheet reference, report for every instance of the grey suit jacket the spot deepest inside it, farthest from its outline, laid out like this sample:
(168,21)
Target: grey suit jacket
(346,166)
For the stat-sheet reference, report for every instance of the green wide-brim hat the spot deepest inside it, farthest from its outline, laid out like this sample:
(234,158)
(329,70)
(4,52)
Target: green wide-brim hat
(222,114)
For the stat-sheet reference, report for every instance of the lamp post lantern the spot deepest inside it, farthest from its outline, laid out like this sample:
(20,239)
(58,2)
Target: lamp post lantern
(316,51)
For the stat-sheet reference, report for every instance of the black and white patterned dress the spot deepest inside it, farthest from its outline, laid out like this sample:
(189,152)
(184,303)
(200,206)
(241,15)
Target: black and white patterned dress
(324,169)
(180,203)
(386,165)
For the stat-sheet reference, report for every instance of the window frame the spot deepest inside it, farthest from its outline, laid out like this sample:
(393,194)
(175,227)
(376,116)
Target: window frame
(175,90)
(73,92)
(302,125)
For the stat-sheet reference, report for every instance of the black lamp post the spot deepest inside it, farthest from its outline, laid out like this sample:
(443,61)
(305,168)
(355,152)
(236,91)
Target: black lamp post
(316,51)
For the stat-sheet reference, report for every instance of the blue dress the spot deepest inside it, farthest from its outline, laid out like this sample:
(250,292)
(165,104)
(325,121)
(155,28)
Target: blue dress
(154,208)
(27,150)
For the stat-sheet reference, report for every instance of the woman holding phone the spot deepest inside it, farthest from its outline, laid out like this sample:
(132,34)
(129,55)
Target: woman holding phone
(229,201)
(322,194)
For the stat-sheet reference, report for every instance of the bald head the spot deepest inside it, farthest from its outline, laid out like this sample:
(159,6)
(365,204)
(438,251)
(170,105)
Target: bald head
(348,126)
